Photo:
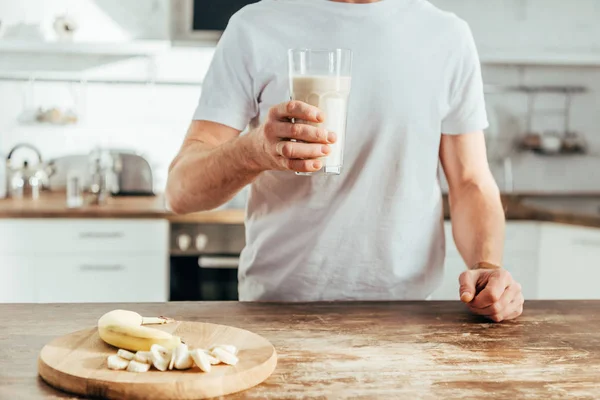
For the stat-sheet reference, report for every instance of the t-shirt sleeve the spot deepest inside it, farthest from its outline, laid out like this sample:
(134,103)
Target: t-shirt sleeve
(467,111)
(228,89)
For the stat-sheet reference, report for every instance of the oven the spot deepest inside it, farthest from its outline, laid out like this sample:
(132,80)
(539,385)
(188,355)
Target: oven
(204,261)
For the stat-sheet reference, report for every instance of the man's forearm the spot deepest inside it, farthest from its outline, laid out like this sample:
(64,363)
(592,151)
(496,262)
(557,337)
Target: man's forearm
(203,177)
(478,222)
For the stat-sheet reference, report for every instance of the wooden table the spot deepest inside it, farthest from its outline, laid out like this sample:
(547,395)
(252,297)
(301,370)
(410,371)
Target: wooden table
(417,350)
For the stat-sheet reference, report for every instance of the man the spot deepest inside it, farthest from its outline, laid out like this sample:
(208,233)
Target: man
(375,232)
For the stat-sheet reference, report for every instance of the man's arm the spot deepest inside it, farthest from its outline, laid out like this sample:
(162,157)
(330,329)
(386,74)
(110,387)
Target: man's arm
(215,163)
(478,226)
(475,206)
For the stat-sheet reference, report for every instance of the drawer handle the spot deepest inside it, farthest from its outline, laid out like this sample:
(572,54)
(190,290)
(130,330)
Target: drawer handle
(586,242)
(101,235)
(100,267)
(219,262)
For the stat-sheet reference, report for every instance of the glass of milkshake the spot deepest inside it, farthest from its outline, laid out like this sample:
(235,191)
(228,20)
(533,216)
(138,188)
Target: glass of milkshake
(322,79)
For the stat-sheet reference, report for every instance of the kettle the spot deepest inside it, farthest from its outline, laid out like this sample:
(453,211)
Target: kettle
(26,180)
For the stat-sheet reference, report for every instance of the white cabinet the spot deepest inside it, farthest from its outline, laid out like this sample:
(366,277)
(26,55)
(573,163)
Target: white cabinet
(569,260)
(68,236)
(111,278)
(84,260)
(17,275)
(520,258)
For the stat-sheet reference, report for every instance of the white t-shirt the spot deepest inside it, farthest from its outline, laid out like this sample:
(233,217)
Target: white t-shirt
(375,232)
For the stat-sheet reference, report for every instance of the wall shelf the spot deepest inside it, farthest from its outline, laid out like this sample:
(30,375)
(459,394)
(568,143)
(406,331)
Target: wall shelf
(557,58)
(47,78)
(132,48)
(532,89)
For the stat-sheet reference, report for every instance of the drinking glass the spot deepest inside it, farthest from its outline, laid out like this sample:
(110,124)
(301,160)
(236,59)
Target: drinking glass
(322,78)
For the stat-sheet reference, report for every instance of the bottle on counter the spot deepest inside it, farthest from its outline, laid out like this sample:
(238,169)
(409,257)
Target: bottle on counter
(74,189)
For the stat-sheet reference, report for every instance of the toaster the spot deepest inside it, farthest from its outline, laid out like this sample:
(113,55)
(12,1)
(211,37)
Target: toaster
(133,174)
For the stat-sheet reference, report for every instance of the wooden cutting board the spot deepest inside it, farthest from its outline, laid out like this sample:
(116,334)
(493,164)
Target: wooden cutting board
(76,363)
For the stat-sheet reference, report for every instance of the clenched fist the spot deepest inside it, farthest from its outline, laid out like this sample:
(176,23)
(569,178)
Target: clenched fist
(492,293)
(283,145)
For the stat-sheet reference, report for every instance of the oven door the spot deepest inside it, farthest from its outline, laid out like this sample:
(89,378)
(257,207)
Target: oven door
(204,278)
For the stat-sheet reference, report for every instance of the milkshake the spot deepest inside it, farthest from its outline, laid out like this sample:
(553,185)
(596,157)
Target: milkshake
(330,95)
(322,79)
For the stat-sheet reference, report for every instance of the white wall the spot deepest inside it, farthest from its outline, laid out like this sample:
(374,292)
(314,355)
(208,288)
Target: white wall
(150,119)
(98,20)
(524,25)
(153,120)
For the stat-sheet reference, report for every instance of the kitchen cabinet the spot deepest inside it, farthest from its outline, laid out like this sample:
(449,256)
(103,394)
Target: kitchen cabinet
(69,236)
(16,277)
(569,262)
(521,252)
(84,260)
(111,278)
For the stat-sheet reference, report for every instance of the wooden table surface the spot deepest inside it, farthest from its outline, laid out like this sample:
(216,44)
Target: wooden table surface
(412,350)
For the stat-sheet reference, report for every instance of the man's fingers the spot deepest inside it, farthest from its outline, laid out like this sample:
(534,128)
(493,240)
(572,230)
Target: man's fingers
(301,132)
(518,310)
(298,110)
(302,165)
(297,150)
(499,307)
(494,289)
(467,281)
(513,311)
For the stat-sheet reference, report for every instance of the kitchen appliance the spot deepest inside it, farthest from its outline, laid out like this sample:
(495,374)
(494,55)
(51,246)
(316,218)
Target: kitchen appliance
(133,174)
(27,179)
(203,20)
(69,164)
(204,261)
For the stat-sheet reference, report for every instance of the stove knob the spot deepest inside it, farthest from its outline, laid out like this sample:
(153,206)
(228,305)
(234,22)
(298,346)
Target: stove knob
(183,241)
(201,241)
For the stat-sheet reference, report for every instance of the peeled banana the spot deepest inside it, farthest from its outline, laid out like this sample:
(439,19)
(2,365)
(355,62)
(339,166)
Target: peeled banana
(124,329)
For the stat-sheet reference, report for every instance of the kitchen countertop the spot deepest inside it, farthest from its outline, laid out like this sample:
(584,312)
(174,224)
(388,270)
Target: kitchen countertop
(582,210)
(576,209)
(424,350)
(53,205)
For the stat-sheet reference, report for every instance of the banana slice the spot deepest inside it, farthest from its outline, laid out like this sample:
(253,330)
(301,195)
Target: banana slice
(158,349)
(125,354)
(201,359)
(172,360)
(135,366)
(211,359)
(225,356)
(160,357)
(143,357)
(182,357)
(116,363)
